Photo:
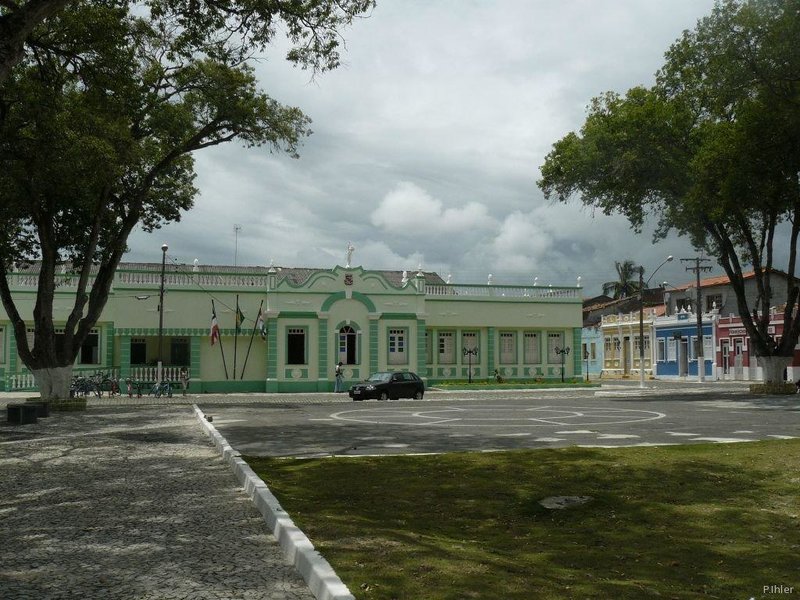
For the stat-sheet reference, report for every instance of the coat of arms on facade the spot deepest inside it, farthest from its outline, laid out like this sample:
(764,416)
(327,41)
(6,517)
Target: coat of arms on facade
(348,279)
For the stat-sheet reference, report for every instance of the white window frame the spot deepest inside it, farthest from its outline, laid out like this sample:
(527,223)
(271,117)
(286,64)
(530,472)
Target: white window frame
(397,346)
(297,330)
(661,349)
(672,349)
(708,348)
(555,339)
(531,348)
(445,348)
(508,348)
(469,341)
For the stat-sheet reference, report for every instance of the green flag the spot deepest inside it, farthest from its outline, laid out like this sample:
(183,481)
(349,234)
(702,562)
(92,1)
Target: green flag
(239,318)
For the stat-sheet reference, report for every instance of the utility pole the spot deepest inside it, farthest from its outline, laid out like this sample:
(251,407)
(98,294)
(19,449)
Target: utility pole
(701,364)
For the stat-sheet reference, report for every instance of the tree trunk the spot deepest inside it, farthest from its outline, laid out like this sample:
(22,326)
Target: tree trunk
(54,384)
(773,367)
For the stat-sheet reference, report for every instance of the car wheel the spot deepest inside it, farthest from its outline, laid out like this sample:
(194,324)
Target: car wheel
(418,395)
(384,396)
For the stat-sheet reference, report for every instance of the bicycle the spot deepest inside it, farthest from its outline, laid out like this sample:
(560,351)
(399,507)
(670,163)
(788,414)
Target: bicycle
(109,384)
(161,389)
(83,386)
(131,385)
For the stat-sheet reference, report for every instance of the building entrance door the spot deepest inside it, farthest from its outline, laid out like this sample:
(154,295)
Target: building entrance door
(626,355)
(725,347)
(683,358)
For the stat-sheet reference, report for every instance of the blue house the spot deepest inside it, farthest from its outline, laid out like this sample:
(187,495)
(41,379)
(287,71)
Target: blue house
(676,345)
(592,351)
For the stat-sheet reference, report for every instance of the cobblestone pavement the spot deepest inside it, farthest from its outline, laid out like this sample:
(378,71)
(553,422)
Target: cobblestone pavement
(129,502)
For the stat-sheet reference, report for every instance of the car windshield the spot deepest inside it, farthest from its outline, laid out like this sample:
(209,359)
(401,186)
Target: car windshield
(380,377)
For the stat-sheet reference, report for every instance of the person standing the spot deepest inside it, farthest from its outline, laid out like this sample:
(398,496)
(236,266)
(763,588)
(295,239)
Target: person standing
(339,385)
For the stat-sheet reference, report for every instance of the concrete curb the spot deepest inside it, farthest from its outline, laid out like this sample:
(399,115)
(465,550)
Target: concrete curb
(317,572)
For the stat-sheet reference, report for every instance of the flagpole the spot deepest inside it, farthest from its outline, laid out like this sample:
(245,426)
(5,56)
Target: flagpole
(235,334)
(221,350)
(250,345)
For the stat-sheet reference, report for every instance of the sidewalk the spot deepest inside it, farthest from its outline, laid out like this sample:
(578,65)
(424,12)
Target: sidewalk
(130,502)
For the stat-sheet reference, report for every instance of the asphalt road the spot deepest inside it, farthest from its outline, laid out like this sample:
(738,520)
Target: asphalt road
(330,425)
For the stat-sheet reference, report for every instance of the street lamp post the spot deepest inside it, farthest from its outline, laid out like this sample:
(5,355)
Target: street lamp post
(642,285)
(562,352)
(586,359)
(159,374)
(469,353)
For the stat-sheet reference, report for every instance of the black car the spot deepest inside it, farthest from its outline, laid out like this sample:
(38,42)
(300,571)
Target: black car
(387,385)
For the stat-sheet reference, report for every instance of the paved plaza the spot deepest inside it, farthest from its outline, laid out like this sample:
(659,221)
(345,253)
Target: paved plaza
(131,500)
(503,420)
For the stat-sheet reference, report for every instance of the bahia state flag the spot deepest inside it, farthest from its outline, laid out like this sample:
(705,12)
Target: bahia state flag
(214,325)
(239,318)
(261,326)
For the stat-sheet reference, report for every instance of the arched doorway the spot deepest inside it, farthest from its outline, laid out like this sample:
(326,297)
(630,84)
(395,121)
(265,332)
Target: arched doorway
(347,345)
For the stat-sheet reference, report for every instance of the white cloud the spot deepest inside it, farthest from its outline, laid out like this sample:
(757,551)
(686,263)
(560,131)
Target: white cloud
(408,210)
(427,144)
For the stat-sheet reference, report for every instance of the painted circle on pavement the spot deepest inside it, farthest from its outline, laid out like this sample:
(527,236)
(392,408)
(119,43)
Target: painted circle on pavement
(504,416)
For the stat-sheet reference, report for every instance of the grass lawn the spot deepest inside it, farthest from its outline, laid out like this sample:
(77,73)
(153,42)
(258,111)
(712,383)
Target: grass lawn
(695,521)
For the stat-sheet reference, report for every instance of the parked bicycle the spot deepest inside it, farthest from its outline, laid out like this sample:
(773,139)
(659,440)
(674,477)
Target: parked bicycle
(132,385)
(84,386)
(108,384)
(162,389)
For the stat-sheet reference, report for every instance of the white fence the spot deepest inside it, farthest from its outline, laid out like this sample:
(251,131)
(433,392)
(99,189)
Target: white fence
(503,291)
(25,380)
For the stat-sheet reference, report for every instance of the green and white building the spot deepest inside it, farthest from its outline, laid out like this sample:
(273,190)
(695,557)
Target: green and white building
(312,319)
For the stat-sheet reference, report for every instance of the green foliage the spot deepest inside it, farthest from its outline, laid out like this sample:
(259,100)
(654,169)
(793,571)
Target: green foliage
(711,151)
(100,118)
(770,389)
(627,283)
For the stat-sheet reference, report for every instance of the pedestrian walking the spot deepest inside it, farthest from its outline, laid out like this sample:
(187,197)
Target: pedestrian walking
(338,386)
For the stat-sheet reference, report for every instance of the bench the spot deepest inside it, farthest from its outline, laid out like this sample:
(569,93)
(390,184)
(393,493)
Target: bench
(21,414)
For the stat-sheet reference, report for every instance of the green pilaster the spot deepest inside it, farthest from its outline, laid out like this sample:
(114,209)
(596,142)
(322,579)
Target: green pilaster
(13,357)
(373,345)
(577,359)
(124,356)
(194,355)
(323,347)
(422,351)
(108,344)
(490,342)
(272,355)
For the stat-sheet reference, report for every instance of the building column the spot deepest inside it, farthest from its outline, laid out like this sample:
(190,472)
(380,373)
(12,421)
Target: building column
(323,381)
(577,352)
(272,355)
(373,343)
(194,357)
(490,351)
(124,357)
(422,349)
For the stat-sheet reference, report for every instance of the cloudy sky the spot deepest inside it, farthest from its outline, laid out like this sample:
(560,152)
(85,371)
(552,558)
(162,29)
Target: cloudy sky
(427,146)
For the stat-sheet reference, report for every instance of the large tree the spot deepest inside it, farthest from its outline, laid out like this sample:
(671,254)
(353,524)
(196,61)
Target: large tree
(312,25)
(98,124)
(712,151)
